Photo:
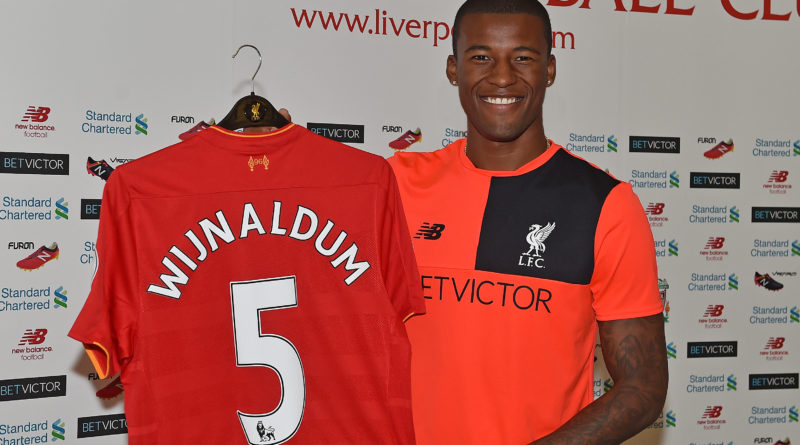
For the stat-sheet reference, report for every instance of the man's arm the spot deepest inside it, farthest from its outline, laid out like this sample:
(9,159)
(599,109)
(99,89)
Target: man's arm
(635,354)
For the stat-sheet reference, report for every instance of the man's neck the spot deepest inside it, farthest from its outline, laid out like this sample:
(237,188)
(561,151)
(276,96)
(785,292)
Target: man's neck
(505,156)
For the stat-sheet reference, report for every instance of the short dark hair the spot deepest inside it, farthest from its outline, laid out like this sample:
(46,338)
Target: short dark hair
(532,7)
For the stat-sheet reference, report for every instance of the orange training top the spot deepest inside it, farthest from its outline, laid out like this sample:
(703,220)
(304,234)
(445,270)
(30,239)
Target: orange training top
(517,267)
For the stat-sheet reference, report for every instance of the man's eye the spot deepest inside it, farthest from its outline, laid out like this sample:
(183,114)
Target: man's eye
(480,57)
(524,59)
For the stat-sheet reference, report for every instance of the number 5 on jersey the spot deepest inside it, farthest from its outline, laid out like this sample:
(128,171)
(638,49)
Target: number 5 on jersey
(253,348)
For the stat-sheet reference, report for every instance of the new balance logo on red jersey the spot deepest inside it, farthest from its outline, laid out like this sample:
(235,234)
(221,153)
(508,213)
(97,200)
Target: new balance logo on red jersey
(775,343)
(36,114)
(31,337)
(714,310)
(655,208)
(712,412)
(778,176)
(715,243)
(429,231)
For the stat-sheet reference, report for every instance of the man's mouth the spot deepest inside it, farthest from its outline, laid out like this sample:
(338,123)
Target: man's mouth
(501,100)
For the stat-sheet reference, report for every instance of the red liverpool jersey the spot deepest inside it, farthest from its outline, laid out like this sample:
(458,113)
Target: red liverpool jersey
(252,288)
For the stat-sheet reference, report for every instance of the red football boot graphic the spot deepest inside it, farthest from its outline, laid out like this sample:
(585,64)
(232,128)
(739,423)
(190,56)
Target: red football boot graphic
(39,257)
(406,140)
(111,390)
(719,149)
(767,282)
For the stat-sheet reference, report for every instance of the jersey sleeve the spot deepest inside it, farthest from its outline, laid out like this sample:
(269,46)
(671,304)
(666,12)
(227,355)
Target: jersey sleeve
(625,279)
(107,321)
(398,264)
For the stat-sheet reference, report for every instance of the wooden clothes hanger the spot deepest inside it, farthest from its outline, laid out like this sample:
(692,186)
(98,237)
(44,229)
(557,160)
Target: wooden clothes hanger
(252,110)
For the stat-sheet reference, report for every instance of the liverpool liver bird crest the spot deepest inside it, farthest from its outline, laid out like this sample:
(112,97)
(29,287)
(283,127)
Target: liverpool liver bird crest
(536,238)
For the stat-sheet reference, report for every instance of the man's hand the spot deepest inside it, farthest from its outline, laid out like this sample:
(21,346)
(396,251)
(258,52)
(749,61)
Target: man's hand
(635,354)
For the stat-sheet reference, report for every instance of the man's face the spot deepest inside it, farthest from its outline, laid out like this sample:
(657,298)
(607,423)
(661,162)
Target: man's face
(502,68)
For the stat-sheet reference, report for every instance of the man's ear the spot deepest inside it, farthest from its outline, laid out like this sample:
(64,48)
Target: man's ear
(451,70)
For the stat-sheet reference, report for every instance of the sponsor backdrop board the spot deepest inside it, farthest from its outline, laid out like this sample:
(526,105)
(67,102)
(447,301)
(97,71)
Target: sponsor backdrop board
(692,101)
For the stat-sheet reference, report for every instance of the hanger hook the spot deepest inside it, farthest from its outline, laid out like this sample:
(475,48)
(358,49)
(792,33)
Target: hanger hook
(252,79)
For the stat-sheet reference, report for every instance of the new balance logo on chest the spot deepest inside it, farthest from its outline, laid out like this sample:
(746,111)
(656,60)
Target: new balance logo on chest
(429,231)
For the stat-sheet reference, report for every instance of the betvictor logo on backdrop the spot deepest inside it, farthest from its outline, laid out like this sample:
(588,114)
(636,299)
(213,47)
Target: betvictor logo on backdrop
(345,133)
(654,144)
(34,163)
(776,214)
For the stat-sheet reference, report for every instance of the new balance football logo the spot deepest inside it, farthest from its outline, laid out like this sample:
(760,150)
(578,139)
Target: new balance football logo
(536,246)
(714,310)
(655,208)
(429,231)
(36,114)
(712,412)
(778,176)
(31,337)
(775,343)
(715,243)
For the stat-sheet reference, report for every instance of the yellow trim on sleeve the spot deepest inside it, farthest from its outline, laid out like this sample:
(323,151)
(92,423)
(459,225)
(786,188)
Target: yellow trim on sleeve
(96,361)
(409,316)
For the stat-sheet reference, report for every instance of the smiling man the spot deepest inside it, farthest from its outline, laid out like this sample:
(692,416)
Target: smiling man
(525,251)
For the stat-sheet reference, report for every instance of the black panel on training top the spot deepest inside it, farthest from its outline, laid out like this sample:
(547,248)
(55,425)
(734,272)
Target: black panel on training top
(520,210)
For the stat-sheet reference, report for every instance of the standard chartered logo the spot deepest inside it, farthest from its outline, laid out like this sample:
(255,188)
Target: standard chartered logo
(613,143)
(733,281)
(60,298)
(62,211)
(674,180)
(734,216)
(58,430)
(141,124)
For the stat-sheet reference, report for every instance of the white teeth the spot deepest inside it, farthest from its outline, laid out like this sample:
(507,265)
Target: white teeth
(501,100)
